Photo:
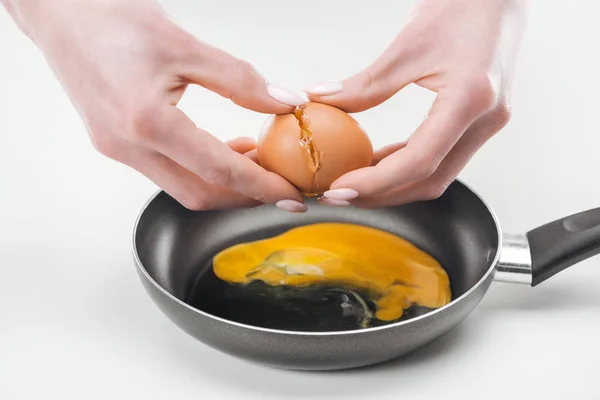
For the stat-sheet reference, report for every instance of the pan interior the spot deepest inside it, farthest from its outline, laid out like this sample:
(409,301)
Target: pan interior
(175,246)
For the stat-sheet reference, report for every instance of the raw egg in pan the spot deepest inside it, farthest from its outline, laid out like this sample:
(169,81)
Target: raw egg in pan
(323,277)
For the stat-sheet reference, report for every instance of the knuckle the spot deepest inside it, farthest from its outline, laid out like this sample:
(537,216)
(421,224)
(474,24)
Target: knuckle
(366,79)
(105,144)
(219,176)
(434,191)
(245,71)
(424,167)
(196,202)
(480,92)
(245,75)
(424,171)
(501,116)
(141,125)
(260,196)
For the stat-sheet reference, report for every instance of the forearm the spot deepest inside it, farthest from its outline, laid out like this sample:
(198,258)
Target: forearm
(23,12)
(40,19)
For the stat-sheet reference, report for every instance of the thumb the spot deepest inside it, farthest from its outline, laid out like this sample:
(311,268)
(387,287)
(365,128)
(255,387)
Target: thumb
(245,146)
(242,144)
(237,80)
(377,83)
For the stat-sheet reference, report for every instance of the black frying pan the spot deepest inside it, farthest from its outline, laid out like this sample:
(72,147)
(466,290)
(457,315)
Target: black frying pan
(172,246)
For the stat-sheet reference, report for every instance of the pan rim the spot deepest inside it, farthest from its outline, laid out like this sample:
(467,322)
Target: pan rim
(431,314)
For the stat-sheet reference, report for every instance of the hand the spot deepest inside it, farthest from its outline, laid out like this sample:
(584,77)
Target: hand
(125,65)
(465,51)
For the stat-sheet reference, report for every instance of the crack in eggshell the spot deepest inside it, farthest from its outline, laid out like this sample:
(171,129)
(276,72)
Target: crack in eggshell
(314,157)
(313,146)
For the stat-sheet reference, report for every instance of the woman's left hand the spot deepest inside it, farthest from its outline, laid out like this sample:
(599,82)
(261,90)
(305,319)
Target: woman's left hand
(465,51)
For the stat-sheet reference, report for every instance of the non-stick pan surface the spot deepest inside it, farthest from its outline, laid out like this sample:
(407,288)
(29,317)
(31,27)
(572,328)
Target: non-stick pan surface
(173,245)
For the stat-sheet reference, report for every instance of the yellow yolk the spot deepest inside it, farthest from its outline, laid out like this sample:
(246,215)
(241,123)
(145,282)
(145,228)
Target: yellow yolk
(395,272)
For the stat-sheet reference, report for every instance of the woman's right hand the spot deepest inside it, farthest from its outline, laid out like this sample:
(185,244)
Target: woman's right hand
(125,65)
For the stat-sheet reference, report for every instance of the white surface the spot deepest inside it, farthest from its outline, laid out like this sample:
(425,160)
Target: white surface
(75,323)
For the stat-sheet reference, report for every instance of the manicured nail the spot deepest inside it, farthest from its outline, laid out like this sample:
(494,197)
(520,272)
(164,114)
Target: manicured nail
(341,194)
(291,206)
(324,88)
(284,95)
(333,202)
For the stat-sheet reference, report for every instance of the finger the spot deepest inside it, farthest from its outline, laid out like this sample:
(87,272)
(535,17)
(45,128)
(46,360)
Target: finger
(434,186)
(452,113)
(253,155)
(390,73)
(242,144)
(188,188)
(181,184)
(237,80)
(170,132)
(245,146)
(386,151)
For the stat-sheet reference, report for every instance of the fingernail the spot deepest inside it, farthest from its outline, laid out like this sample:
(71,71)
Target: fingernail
(284,95)
(333,202)
(292,206)
(324,88)
(341,194)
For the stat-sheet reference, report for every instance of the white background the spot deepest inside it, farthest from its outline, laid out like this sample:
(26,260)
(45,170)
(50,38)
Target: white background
(75,323)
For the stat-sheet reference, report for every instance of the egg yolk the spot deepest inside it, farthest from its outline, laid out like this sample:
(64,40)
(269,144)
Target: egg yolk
(393,271)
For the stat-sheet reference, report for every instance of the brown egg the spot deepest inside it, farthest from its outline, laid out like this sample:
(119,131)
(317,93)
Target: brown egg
(313,146)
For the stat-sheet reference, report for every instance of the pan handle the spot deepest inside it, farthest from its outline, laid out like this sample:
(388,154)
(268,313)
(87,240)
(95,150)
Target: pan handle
(563,243)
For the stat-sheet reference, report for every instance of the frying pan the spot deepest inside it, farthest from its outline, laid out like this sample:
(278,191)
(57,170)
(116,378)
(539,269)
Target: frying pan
(172,245)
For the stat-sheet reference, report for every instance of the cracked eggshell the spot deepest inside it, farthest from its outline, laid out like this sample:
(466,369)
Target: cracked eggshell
(344,144)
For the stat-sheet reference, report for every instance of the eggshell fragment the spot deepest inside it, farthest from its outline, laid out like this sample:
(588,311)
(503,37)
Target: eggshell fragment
(331,144)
